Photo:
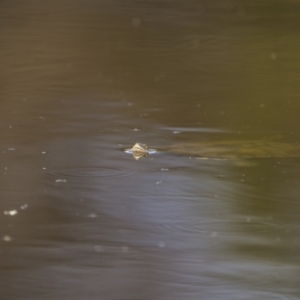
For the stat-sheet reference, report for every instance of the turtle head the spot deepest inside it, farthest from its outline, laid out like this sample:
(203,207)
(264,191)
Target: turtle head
(139,150)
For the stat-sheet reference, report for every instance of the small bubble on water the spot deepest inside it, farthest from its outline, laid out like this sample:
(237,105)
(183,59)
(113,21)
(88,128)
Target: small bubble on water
(125,249)
(6,238)
(136,22)
(214,234)
(92,215)
(10,212)
(164,169)
(273,56)
(24,206)
(161,244)
(98,248)
(11,149)
(61,180)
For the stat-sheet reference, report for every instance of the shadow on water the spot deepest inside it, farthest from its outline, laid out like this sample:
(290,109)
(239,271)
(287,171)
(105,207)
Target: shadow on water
(84,220)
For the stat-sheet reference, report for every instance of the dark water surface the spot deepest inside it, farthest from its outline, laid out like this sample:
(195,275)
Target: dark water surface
(82,80)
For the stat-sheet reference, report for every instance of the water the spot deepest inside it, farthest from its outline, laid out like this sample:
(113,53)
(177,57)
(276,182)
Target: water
(80,82)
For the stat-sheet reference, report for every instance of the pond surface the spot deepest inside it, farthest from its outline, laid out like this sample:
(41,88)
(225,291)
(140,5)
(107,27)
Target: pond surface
(83,80)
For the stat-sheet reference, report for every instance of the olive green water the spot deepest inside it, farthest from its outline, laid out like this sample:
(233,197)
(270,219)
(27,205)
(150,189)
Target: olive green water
(82,80)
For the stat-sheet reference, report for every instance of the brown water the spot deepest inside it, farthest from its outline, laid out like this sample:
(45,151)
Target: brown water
(82,80)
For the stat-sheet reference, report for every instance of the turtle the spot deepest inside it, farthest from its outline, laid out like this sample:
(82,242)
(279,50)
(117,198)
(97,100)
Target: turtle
(225,149)
(140,150)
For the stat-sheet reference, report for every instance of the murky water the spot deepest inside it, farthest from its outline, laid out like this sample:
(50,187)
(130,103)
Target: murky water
(80,82)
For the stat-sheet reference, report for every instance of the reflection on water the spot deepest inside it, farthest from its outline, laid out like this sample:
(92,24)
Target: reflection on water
(82,81)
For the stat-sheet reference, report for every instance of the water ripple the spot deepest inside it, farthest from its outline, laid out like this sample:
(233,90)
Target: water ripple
(91,172)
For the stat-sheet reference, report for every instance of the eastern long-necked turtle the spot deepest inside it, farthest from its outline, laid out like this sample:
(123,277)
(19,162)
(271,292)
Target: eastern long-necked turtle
(231,149)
